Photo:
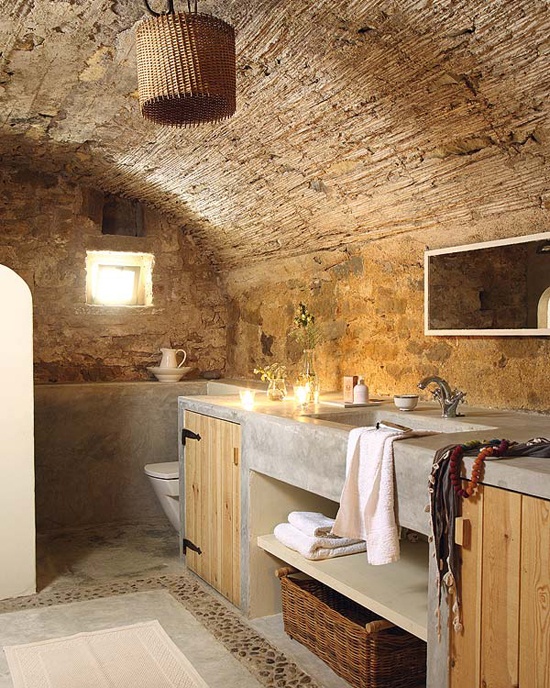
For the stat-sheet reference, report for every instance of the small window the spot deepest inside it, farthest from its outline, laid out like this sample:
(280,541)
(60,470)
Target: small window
(117,278)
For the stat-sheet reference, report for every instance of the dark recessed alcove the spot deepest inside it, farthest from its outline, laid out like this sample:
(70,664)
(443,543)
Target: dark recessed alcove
(122,217)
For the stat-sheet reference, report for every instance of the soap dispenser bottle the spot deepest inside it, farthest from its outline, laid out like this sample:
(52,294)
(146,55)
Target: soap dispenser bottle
(361,392)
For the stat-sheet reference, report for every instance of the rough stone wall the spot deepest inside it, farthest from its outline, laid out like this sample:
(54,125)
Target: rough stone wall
(369,305)
(355,119)
(46,226)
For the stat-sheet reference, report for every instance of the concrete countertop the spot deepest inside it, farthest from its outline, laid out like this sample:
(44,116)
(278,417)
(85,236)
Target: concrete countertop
(308,452)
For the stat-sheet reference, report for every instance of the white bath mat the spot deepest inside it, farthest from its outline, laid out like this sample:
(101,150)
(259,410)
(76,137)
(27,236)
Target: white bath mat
(137,656)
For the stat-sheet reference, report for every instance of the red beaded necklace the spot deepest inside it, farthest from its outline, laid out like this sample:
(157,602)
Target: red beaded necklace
(495,448)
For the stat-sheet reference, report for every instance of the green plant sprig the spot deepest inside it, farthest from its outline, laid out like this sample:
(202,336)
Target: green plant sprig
(275,371)
(305,332)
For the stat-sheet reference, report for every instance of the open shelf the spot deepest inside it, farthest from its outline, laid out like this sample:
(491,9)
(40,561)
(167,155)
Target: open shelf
(398,592)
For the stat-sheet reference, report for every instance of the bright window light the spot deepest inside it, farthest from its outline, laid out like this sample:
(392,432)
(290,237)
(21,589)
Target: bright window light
(116,285)
(116,278)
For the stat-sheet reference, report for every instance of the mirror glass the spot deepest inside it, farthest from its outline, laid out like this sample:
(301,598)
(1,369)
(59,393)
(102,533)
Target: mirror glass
(497,288)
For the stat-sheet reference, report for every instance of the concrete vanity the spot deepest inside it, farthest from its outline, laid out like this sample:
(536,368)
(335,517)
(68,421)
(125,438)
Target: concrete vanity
(297,461)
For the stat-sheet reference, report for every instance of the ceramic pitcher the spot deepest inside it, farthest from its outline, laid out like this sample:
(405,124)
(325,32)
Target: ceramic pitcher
(170,358)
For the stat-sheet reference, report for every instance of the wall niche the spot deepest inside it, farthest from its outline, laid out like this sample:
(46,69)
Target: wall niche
(122,217)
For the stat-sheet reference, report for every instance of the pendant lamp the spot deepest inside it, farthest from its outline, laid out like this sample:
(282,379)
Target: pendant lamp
(186,67)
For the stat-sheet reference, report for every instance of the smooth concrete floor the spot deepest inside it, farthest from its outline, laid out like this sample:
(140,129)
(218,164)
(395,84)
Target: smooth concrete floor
(209,657)
(100,554)
(113,553)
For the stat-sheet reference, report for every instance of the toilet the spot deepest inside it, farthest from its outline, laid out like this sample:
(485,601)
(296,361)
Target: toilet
(165,480)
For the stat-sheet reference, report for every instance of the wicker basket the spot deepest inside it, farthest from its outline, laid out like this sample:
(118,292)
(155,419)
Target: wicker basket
(364,650)
(186,69)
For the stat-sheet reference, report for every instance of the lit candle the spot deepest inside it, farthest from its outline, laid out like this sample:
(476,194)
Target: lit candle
(316,395)
(247,398)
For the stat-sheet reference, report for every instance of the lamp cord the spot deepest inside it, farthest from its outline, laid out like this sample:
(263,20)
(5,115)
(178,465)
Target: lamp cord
(170,8)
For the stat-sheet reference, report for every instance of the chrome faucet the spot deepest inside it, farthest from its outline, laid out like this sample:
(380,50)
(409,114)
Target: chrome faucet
(448,399)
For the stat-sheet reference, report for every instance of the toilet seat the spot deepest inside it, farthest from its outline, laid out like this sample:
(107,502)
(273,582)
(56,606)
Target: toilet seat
(169,470)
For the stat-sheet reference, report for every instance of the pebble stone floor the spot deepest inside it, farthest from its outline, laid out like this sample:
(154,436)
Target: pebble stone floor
(101,563)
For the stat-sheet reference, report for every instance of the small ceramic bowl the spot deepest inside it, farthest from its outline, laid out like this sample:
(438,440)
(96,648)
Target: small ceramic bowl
(405,402)
(168,374)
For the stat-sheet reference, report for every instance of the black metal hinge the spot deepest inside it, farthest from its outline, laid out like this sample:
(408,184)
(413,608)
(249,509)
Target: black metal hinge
(188,435)
(187,544)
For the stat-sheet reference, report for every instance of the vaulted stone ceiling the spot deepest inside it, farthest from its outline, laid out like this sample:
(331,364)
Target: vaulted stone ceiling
(356,119)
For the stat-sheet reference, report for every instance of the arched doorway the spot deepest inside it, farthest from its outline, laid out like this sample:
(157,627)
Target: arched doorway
(17,528)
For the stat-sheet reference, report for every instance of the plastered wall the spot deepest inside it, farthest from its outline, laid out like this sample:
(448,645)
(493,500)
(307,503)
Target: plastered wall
(17,530)
(46,226)
(92,443)
(369,306)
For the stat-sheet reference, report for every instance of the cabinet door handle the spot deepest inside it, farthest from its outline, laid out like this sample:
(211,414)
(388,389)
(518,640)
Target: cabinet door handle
(235,456)
(189,435)
(187,544)
(463,529)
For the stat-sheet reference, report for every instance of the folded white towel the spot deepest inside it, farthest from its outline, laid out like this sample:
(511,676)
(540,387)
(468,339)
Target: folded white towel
(311,523)
(367,508)
(323,553)
(316,548)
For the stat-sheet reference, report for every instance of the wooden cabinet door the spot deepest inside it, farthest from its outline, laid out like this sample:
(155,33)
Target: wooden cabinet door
(465,646)
(212,502)
(534,636)
(505,590)
(500,588)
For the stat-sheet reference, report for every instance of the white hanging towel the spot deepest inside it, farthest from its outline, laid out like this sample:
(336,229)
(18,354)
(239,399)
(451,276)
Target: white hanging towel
(367,509)
(311,523)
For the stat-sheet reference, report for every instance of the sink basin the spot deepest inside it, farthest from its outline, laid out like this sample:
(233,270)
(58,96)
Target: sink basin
(422,419)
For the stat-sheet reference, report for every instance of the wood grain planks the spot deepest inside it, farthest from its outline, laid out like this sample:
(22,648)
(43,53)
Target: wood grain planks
(466,645)
(534,646)
(505,581)
(212,503)
(500,585)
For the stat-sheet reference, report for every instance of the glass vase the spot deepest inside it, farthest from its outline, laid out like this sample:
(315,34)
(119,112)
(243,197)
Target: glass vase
(308,377)
(276,389)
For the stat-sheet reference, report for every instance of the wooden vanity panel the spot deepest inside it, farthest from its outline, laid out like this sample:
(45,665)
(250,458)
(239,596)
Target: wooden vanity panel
(466,646)
(210,532)
(212,502)
(191,500)
(500,588)
(228,503)
(195,493)
(534,650)
(236,516)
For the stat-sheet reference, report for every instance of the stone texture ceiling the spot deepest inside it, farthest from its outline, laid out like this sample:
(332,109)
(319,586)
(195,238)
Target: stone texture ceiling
(356,119)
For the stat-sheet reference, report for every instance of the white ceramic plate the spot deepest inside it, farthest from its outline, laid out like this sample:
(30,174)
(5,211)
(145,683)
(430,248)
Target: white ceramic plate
(169,374)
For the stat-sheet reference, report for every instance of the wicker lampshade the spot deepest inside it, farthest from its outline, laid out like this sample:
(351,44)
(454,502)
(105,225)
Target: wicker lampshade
(186,69)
